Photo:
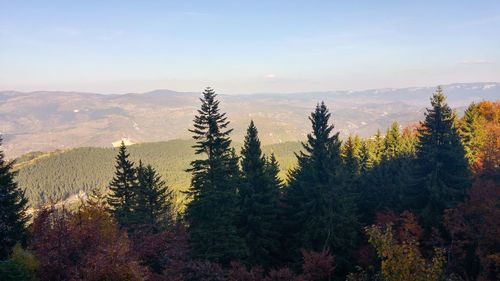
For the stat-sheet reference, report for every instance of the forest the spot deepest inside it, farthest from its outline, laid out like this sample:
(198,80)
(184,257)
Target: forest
(55,176)
(417,203)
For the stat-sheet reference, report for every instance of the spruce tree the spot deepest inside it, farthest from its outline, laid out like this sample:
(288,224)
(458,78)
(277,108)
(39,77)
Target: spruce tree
(378,146)
(259,195)
(394,170)
(384,186)
(320,214)
(154,200)
(441,176)
(472,132)
(13,207)
(352,158)
(121,197)
(273,170)
(211,213)
(366,156)
(392,142)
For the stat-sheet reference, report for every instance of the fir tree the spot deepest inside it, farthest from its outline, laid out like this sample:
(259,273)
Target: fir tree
(13,207)
(122,188)
(211,213)
(366,156)
(352,158)
(273,170)
(384,186)
(320,214)
(441,175)
(259,195)
(472,132)
(408,142)
(154,200)
(392,142)
(378,146)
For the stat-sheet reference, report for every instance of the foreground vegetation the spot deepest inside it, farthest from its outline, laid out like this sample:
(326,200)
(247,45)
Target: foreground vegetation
(414,204)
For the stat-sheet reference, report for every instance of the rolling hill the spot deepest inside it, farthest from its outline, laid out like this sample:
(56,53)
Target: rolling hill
(57,175)
(47,121)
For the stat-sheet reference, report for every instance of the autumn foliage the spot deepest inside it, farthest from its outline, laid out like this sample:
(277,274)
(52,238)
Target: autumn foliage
(475,233)
(401,257)
(421,205)
(82,245)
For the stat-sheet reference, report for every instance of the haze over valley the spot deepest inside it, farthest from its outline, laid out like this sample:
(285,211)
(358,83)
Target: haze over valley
(46,121)
(249,140)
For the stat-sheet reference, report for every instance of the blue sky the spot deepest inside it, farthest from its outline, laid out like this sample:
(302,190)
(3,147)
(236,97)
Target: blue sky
(246,46)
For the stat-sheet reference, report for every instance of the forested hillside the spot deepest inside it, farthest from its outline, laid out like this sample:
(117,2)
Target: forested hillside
(416,203)
(56,175)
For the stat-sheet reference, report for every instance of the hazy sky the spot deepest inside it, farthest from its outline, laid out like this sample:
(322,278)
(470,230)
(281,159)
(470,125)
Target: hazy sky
(246,46)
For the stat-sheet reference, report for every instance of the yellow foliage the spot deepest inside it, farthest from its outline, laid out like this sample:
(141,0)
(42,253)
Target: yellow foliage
(403,260)
(24,258)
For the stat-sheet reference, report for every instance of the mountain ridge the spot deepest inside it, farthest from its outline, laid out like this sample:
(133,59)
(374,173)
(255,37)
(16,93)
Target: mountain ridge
(62,120)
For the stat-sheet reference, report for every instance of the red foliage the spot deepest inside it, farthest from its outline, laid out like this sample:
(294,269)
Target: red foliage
(405,225)
(204,271)
(475,230)
(84,245)
(317,266)
(283,274)
(166,253)
(239,272)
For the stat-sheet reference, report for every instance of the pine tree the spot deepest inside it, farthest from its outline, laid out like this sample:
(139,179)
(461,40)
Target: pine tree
(378,144)
(352,158)
(122,188)
(13,207)
(154,200)
(392,142)
(259,195)
(366,156)
(211,213)
(472,132)
(273,170)
(383,186)
(320,214)
(441,175)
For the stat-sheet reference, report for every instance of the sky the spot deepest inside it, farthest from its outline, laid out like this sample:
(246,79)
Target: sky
(241,47)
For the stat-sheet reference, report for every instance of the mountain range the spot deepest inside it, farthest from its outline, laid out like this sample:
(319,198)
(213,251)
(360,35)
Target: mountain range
(50,120)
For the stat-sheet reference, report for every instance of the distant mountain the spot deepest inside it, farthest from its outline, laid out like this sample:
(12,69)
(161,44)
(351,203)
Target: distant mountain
(45,121)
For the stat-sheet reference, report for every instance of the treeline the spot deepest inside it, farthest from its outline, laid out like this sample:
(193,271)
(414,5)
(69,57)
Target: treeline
(422,203)
(55,176)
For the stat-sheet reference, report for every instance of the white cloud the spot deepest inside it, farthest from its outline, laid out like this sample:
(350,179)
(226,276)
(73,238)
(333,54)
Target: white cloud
(271,76)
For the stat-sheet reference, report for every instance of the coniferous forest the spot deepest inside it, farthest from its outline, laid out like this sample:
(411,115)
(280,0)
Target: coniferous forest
(417,203)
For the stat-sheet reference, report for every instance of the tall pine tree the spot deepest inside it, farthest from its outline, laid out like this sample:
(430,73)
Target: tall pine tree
(320,214)
(154,200)
(472,132)
(122,188)
(259,195)
(211,213)
(392,142)
(366,156)
(13,207)
(273,170)
(384,185)
(352,158)
(378,146)
(441,175)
